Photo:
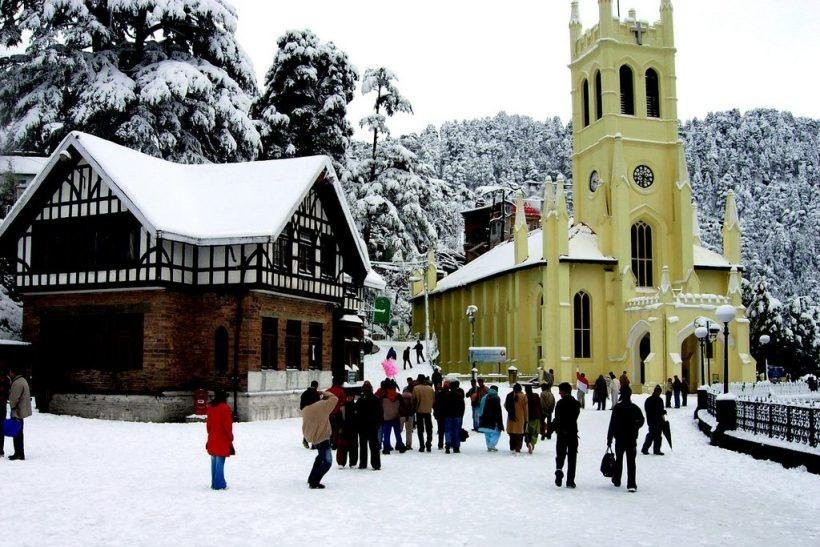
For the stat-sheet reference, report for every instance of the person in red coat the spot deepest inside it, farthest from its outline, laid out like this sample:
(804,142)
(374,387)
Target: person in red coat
(219,424)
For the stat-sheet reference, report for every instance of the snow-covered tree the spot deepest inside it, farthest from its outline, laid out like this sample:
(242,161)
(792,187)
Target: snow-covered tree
(303,107)
(388,102)
(165,77)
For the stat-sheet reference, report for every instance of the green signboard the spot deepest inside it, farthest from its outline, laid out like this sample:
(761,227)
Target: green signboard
(381,310)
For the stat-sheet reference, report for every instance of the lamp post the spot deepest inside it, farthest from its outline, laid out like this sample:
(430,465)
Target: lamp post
(471,312)
(702,332)
(725,314)
(423,279)
(764,340)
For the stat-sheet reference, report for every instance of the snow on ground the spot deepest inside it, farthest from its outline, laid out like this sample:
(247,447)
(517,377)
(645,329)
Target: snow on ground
(97,482)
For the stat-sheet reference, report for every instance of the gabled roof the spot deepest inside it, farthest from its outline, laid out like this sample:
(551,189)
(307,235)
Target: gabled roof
(207,204)
(22,165)
(583,247)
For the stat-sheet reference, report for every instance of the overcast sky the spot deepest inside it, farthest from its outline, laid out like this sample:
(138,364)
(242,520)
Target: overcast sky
(459,59)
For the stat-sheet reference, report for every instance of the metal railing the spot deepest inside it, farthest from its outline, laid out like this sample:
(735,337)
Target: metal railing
(791,415)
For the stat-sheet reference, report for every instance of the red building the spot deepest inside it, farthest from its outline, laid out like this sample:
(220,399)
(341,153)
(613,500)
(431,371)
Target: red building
(144,279)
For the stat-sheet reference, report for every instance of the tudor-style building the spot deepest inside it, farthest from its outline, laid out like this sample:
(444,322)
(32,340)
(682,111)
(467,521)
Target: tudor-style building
(144,279)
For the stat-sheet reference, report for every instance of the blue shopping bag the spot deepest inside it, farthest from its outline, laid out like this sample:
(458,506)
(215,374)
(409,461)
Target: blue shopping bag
(12,427)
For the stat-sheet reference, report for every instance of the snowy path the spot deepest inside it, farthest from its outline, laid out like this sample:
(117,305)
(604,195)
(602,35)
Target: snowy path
(95,482)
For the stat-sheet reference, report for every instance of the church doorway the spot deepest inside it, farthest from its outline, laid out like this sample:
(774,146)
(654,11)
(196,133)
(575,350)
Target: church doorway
(690,362)
(644,349)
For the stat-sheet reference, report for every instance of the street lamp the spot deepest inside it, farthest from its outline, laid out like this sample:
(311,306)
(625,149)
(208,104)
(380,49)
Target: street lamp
(471,312)
(725,314)
(423,279)
(702,332)
(764,340)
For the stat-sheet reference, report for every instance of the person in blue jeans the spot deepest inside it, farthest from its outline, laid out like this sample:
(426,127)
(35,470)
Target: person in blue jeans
(453,410)
(392,402)
(490,419)
(316,430)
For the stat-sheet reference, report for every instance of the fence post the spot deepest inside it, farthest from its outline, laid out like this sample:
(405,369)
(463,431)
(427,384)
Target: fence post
(769,408)
(789,423)
(812,428)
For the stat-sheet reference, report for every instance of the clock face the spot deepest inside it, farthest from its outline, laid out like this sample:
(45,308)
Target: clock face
(594,181)
(643,176)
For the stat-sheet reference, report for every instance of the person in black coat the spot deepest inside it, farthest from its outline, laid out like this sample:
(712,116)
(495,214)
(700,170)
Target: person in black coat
(626,421)
(347,445)
(599,393)
(654,420)
(438,412)
(368,412)
(453,410)
(419,347)
(405,355)
(436,377)
(677,387)
(491,420)
(565,426)
(391,353)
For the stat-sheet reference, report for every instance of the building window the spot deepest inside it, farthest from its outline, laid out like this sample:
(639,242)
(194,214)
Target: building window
(315,345)
(328,251)
(539,315)
(282,253)
(293,344)
(221,350)
(581,325)
(270,343)
(307,251)
(110,342)
(627,91)
(642,254)
(586,102)
(599,100)
(89,243)
(653,103)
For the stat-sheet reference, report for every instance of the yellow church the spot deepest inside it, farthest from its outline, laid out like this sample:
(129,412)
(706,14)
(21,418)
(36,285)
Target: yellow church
(621,285)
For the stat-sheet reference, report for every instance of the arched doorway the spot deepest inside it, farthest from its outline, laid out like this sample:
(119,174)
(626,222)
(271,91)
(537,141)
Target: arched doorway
(644,349)
(690,362)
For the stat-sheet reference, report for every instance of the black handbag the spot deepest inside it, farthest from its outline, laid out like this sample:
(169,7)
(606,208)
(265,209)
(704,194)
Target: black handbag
(608,463)
(463,435)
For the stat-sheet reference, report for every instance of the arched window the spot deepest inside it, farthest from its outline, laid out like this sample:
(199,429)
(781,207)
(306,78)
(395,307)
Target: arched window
(221,350)
(627,91)
(581,325)
(642,253)
(653,94)
(539,315)
(599,101)
(586,102)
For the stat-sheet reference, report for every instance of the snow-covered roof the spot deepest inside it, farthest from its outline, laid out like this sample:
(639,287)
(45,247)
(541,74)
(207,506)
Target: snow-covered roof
(22,165)
(374,281)
(583,246)
(707,258)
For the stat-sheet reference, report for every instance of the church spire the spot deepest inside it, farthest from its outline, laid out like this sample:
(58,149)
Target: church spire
(520,234)
(731,230)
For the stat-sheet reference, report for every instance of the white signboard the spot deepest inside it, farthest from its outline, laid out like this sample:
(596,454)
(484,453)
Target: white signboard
(487,354)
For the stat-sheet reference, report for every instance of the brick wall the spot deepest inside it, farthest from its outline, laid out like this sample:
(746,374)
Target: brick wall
(179,328)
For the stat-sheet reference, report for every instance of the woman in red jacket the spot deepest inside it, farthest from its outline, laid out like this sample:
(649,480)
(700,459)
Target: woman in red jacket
(220,437)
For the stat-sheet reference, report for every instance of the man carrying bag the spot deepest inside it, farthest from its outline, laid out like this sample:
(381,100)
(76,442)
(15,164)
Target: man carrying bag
(20,403)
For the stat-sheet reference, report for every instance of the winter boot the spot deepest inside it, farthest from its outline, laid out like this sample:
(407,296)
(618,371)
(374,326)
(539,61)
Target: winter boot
(559,477)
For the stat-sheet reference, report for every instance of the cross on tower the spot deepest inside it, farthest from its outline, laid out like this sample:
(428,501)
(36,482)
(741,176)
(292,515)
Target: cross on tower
(639,28)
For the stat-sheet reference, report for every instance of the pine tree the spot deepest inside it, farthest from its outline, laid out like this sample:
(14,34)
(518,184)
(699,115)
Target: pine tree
(304,105)
(388,100)
(165,77)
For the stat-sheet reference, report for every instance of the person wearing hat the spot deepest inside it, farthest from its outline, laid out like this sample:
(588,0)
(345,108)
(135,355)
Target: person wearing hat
(369,425)
(219,425)
(423,398)
(624,424)
(565,426)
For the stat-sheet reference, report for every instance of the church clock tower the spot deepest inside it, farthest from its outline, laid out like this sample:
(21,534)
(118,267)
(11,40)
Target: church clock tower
(631,186)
